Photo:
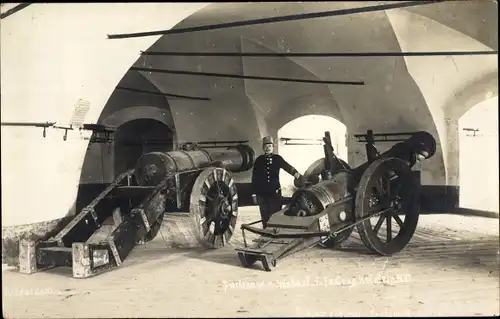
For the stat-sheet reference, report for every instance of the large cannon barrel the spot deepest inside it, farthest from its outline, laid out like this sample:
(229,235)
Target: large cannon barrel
(313,199)
(152,168)
(420,145)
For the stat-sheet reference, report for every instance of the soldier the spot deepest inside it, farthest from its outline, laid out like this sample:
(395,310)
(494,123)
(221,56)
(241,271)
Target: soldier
(265,180)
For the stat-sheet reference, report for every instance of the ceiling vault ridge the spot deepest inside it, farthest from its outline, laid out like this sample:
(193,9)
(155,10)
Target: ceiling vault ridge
(395,34)
(243,38)
(291,59)
(157,87)
(442,25)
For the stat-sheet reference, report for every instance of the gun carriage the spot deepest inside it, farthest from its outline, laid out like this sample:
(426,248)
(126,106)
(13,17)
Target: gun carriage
(197,179)
(335,198)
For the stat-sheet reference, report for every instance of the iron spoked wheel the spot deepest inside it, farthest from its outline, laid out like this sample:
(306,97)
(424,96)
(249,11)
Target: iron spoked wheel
(313,173)
(214,207)
(389,191)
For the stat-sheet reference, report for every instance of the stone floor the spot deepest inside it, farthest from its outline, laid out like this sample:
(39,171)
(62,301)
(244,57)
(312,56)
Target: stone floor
(451,268)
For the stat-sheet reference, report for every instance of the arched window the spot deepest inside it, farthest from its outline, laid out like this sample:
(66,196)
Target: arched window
(300,143)
(478,149)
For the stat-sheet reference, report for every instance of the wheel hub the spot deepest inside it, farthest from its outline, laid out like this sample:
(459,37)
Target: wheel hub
(396,203)
(150,171)
(224,208)
(211,204)
(373,200)
(221,205)
(302,213)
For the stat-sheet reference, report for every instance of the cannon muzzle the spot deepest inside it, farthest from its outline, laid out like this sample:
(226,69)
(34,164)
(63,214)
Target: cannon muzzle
(420,146)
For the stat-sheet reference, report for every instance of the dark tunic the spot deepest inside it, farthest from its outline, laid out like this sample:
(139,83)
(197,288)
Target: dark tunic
(266,174)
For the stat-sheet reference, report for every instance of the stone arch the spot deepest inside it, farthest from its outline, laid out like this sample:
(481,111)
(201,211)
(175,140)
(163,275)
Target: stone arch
(478,157)
(469,96)
(310,104)
(317,100)
(136,137)
(129,114)
(139,112)
(290,110)
(353,108)
(102,155)
(302,156)
(337,120)
(340,114)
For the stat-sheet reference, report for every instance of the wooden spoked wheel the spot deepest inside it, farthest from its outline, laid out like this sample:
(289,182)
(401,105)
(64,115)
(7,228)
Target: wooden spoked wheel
(389,191)
(214,207)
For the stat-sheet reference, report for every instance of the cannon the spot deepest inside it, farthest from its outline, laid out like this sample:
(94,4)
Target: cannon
(334,198)
(204,186)
(195,179)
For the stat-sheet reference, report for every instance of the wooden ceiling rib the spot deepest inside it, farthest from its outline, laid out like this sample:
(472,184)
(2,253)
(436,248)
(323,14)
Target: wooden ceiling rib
(13,10)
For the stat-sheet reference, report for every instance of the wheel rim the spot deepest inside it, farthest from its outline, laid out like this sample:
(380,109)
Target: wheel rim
(391,188)
(214,207)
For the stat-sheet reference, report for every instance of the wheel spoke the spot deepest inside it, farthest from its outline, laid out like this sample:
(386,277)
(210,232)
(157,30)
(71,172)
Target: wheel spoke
(374,209)
(398,219)
(389,227)
(379,187)
(397,188)
(393,175)
(396,194)
(387,186)
(376,229)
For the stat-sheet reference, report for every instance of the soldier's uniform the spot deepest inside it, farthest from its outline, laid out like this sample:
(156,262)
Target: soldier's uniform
(266,184)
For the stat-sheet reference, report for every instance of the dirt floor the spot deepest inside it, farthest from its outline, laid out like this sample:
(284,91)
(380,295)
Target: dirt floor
(451,268)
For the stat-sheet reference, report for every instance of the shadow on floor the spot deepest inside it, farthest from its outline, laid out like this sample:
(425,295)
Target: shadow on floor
(427,247)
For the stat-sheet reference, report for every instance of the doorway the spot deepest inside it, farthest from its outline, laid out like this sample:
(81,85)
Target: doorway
(300,144)
(137,137)
(478,157)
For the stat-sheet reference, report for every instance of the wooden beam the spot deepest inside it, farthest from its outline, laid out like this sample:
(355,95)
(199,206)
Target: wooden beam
(293,17)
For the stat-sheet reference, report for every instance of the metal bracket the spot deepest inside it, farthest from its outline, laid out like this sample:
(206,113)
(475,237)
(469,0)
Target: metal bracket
(371,137)
(243,231)
(301,141)
(145,220)
(116,255)
(66,129)
(43,125)
(99,129)
(81,260)
(27,257)
(210,144)
(94,216)
(473,130)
